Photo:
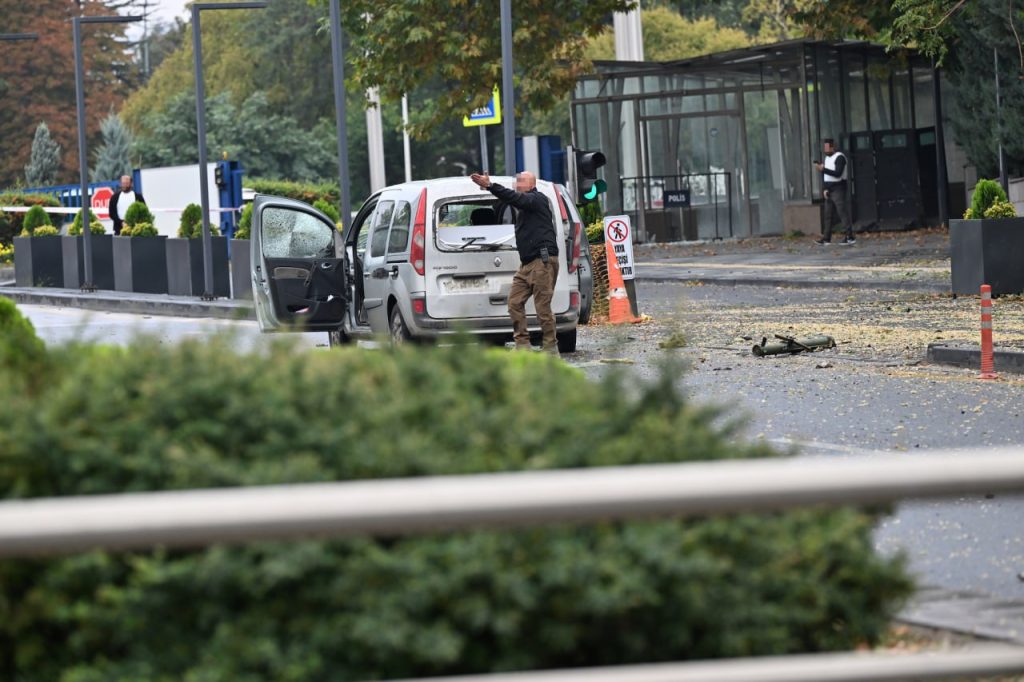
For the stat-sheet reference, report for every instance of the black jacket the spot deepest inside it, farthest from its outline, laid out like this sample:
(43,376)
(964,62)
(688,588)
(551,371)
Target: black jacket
(112,209)
(534,226)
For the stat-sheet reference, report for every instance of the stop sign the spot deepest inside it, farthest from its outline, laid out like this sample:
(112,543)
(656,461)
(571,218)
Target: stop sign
(101,202)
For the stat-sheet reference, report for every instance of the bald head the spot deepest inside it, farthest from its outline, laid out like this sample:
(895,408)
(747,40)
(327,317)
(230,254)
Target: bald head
(525,181)
(126,183)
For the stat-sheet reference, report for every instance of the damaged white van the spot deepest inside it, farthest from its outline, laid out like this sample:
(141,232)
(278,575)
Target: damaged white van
(420,260)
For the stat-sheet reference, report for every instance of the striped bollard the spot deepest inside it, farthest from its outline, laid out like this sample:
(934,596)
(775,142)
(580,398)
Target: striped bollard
(987,364)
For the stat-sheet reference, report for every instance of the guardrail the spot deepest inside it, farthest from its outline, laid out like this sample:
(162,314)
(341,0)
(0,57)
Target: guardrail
(424,505)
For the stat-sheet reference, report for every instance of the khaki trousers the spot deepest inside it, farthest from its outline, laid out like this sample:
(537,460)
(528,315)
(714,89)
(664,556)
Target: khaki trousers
(535,279)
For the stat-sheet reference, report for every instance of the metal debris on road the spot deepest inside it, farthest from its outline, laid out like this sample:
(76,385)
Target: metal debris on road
(789,344)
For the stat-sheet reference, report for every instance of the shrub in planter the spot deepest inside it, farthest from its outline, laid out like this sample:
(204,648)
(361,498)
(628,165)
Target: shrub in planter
(244,223)
(12,225)
(39,259)
(140,260)
(45,231)
(35,218)
(1001,209)
(986,193)
(139,229)
(191,223)
(205,414)
(595,232)
(138,212)
(6,253)
(95,226)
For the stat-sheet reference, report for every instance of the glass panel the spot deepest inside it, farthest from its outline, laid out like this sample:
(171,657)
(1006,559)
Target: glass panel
(924,100)
(878,93)
(901,94)
(894,141)
(829,94)
(766,176)
(855,84)
(291,233)
(399,239)
(381,221)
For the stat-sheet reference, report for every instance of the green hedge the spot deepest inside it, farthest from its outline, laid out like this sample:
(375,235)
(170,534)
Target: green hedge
(206,415)
(302,191)
(11,224)
(35,218)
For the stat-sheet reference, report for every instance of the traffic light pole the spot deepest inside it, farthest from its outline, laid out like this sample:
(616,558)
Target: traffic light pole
(507,94)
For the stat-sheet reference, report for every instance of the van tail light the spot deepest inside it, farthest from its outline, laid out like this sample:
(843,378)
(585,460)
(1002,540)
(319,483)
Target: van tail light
(574,262)
(419,306)
(417,252)
(574,300)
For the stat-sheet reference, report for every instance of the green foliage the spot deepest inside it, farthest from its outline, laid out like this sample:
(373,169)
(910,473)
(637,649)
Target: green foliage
(6,253)
(45,231)
(201,415)
(137,213)
(986,193)
(591,212)
(44,164)
(95,226)
(595,232)
(113,158)
(244,223)
(190,225)
(328,209)
(139,230)
(669,36)
(11,223)
(35,218)
(22,357)
(1001,209)
(306,192)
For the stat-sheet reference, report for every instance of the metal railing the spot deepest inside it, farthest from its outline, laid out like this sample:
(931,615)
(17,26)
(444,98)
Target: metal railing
(423,505)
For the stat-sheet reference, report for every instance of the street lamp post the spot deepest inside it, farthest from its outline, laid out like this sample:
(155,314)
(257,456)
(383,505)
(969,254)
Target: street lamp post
(204,192)
(83,164)
(507,93)
(338,68)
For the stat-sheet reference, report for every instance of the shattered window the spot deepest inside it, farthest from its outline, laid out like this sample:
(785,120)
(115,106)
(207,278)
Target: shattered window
(289,233)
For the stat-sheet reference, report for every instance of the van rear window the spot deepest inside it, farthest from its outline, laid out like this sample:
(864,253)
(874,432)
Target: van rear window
(474,224)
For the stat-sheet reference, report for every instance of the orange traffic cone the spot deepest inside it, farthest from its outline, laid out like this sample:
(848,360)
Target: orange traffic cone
(620,311)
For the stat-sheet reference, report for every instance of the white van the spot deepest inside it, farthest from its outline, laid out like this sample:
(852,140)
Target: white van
(420,260)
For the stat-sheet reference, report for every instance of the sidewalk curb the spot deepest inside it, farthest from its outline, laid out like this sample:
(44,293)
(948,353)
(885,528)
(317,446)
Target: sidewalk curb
(964,612)
(138,305)
(970,356)
(919,287)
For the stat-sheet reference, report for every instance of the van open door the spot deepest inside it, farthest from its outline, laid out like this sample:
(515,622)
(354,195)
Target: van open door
(298,273)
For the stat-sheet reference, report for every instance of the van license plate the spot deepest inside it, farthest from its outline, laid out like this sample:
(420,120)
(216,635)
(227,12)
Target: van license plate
(469,284)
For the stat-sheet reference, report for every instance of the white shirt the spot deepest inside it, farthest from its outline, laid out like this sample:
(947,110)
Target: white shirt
(830,163)
(123,202)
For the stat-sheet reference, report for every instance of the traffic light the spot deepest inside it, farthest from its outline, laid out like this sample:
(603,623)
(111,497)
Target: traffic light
(588,185)
(218,175)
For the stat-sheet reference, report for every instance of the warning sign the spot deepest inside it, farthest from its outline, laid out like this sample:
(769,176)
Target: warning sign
(101,202)
(617,235)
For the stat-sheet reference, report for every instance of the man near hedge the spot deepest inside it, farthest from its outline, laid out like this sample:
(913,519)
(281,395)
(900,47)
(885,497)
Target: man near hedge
(122,199)
(537,244)
(835,171)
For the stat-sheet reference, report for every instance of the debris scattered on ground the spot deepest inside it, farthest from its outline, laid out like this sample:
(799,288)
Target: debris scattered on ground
(790,344)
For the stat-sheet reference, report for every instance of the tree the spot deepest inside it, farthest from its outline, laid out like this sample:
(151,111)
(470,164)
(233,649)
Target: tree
(398,46)
(774,19)
(669,36)
(113,158)
(44,163)
(37,81)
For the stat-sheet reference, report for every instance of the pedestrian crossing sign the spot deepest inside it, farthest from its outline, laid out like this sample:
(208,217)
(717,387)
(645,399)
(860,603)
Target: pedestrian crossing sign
(488,114)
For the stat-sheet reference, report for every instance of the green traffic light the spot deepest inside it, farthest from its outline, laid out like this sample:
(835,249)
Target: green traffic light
(595,189)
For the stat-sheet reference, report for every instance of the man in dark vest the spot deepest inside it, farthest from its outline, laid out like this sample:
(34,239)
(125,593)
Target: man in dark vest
(537,244)
(122,199)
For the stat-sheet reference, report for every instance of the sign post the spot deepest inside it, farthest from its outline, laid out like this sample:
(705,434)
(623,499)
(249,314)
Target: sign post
(618,239)
(486,115)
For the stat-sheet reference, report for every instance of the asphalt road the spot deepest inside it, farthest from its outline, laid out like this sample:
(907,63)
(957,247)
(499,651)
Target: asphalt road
(870,397)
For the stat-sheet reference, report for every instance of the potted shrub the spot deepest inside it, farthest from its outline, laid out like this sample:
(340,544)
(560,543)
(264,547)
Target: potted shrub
(140,257)
(38,258)
(102,247)
(185,257)
(241,283)
(986,247)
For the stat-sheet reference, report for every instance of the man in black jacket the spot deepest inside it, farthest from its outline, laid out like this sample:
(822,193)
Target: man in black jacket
(537,244)
(835,172)
(122,199)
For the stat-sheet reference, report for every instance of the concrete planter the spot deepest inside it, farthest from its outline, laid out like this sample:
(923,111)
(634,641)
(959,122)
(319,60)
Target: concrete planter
(102,247)
(241,282)
(988,251)
(185,267)
(38,262)
(140,264)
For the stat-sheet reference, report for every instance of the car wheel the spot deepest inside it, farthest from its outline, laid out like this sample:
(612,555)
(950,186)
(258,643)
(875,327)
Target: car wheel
(338,337)
(567,341)
(399,332)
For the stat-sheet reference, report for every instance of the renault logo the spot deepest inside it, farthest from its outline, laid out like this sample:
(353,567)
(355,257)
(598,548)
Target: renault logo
(497,262)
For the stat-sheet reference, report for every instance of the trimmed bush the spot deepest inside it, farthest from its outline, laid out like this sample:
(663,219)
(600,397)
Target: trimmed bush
(139,230)
(327,209)
(35,218)
(595,232)
(244,223)
(45,231)
(1001,209)
(204,414)
(986,193)
(191,223)
(137,213)
(95,226)
(12,223)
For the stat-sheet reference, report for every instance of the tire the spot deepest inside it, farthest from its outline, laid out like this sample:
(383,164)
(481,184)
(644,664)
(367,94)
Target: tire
(338,338)
(397,330)
(585,313)
(567,341)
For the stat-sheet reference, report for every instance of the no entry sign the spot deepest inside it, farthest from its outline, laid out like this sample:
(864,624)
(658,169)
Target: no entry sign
(618,235)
